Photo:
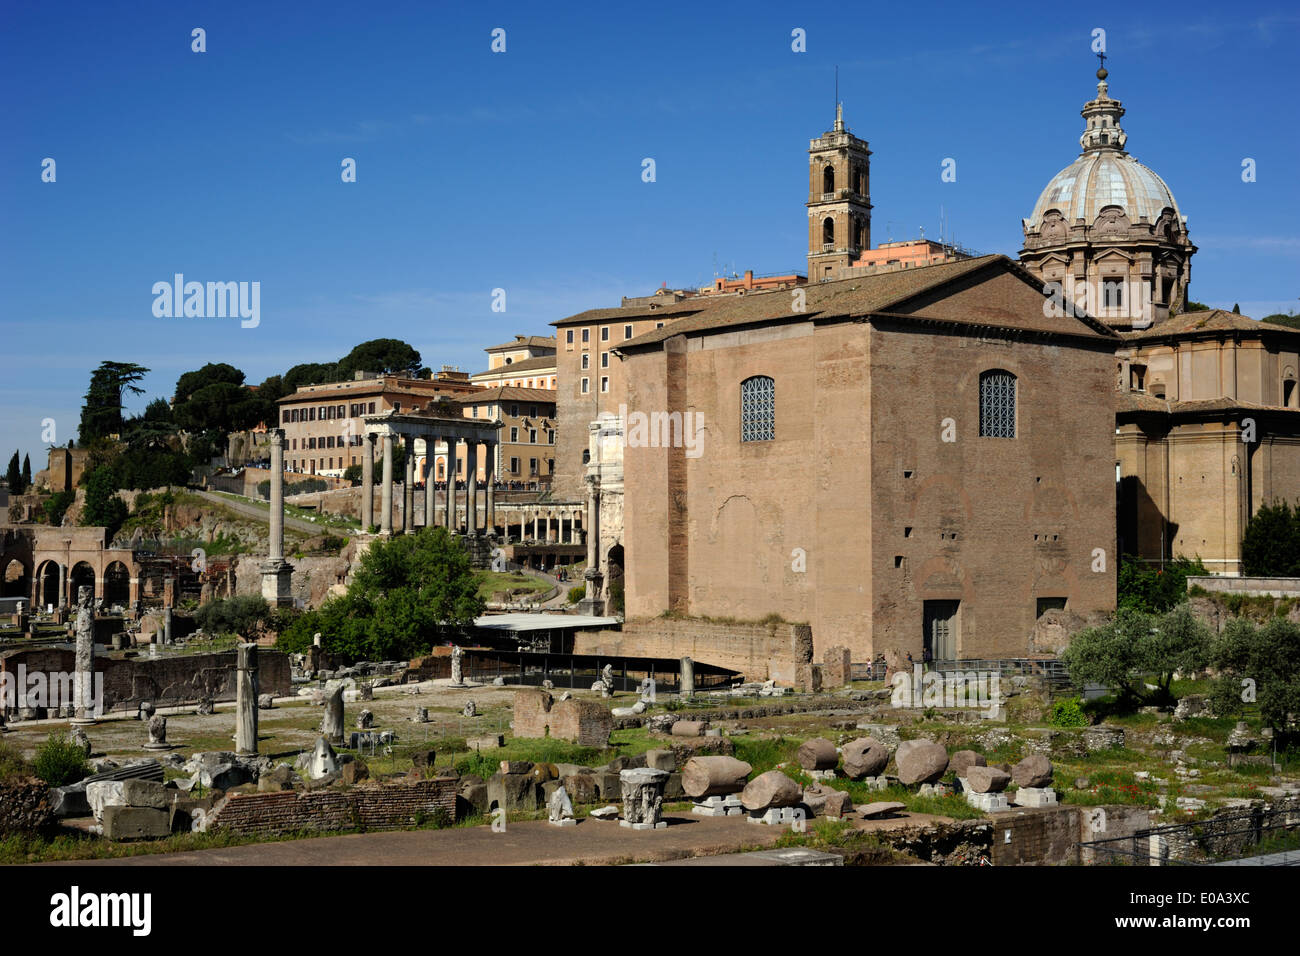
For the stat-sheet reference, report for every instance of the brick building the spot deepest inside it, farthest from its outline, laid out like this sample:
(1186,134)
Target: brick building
(920,459)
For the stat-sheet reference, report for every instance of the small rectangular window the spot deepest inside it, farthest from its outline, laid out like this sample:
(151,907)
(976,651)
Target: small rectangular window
(584,386)
(627,331)
(586,336)
(568,337)
(604,333)
(604,383)
(604,360)
(1049,604)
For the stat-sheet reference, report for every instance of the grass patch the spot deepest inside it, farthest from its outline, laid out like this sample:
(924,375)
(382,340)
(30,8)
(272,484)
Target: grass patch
(490,582)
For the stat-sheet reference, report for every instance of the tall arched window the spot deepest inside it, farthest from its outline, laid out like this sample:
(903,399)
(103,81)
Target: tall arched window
(828,179)
(758,409)
(997,404)
(828,231)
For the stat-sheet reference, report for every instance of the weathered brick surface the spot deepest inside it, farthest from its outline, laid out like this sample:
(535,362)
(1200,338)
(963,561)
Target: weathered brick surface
(381,807)
(585,722)
(532,713)
(836,666)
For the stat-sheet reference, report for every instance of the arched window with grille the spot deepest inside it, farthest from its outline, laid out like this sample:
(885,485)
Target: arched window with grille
(758,409)
(997,404)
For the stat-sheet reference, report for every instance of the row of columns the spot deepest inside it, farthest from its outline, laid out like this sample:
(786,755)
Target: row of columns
(542,527)
(470,498)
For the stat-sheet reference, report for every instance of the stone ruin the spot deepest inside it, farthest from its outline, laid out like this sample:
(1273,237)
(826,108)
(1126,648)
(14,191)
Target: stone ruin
(643,798)
(583,722)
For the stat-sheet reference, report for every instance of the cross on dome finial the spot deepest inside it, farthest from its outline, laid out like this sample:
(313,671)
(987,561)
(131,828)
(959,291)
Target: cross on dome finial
(1103,115)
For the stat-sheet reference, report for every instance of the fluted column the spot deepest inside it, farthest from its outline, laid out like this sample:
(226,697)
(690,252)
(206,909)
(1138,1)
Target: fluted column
(471,488)
(408,486)
(367,482)
(386,489)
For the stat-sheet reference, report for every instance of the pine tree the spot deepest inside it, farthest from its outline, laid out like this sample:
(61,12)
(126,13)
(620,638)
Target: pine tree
(14,476)
(27,472)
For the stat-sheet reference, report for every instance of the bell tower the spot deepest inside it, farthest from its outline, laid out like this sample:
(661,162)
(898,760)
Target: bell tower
(839,202)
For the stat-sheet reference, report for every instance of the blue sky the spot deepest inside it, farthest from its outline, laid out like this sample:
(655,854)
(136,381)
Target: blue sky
(522,170)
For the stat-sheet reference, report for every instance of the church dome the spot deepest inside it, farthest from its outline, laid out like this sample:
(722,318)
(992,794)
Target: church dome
(1101,178)
(1103,175)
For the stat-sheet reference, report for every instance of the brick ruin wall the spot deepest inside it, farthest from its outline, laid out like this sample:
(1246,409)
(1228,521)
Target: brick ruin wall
(165,680)
(382,807)
(584,722)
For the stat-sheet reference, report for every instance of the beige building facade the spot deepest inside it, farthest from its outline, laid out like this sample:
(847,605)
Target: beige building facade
(323,423)
(1207,431)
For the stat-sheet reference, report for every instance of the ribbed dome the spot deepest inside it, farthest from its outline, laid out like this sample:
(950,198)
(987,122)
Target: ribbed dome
(1100,178)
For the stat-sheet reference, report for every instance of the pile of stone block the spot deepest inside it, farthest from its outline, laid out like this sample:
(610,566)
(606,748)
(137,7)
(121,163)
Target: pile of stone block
(136,809)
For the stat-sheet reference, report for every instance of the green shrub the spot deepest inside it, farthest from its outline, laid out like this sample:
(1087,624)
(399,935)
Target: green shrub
(59,761)
(577,594)
(1069,713)
(244,614)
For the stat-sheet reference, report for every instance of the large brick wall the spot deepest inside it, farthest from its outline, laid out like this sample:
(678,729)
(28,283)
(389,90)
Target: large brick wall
(878,493)
(758,651)
(165,680)
(381,807)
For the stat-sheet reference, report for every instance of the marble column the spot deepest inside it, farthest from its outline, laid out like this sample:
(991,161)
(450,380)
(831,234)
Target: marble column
(408,486)
(246,700)
(83,695)
(367,482)
(277,495)
(490,470)
(429,472)
(537,525)
(471,488)
(386,489)
(277,573)
(63,586)
(593,539)
(450,503)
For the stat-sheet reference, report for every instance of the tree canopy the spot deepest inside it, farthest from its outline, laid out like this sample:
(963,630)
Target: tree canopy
(385,356)
(213,373)
(1270,546)
(1146,587)
(1259,662)
(101,415)
(103,507)
(1134,648)
(405,592)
